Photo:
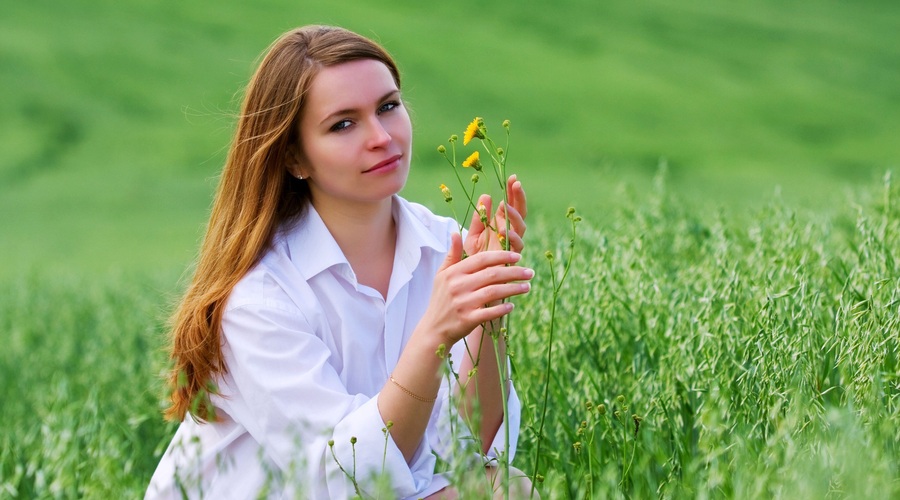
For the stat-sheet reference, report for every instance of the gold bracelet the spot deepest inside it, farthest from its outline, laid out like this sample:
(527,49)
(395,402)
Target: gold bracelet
(412,394)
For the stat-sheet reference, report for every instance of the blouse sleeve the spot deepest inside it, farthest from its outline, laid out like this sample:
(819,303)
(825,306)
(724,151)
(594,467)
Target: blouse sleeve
(282,388)
(453,433)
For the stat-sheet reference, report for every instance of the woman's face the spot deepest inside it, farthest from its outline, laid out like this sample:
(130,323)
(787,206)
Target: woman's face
(355,134)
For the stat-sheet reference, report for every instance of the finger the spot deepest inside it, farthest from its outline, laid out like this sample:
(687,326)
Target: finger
(498,275)
(495,293)
(516,221)
(454,254)
(516,244)
(516,194)
(486,259)
(485,314)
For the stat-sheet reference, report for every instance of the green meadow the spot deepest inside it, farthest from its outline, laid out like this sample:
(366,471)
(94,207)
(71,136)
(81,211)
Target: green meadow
(735,277)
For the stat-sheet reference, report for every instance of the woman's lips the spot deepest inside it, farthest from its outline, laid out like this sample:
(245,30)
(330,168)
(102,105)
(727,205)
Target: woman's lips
(389,164)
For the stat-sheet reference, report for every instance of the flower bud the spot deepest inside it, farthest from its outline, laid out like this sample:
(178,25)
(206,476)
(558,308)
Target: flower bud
(352,439)
(441,149)
(446,192)
(475,178)
(506,124)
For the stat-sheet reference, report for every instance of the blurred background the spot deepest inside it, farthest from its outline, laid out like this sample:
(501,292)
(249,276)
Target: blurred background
(116,116)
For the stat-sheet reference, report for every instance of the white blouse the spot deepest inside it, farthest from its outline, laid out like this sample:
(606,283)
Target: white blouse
(308,348)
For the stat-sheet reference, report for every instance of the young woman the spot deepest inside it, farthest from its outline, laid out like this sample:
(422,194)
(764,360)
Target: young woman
(321,299)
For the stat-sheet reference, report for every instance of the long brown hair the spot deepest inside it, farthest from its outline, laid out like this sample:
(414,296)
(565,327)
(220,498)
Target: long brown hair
(256,194)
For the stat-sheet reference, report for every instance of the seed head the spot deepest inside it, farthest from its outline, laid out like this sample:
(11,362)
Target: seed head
(601,409)
(620,399)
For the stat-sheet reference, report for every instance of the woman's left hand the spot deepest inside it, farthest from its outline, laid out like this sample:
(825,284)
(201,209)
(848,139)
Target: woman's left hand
(481,237)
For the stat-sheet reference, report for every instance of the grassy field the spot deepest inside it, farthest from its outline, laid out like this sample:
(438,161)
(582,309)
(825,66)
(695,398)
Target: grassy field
(116,115)
(745,307)
(761,356)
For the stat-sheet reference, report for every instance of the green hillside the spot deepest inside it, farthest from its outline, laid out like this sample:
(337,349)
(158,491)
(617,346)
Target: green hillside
(116,115)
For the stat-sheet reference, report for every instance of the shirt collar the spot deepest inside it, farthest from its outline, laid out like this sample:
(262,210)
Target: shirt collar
(311,246)
(313,249)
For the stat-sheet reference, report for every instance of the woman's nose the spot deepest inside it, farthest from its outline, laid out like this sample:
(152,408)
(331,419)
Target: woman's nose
(378,134)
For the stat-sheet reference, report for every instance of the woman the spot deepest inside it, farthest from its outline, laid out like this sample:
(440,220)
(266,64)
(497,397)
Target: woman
(322,299)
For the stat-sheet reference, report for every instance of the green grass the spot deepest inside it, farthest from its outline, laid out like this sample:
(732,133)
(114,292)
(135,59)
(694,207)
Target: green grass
(117,115)
(760,351)
(745,308)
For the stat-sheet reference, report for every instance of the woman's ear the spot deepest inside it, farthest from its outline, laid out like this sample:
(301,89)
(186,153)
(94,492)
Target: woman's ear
(296,163)
(296,170)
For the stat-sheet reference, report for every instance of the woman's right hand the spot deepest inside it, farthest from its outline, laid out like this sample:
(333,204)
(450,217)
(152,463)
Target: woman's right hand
(469,292)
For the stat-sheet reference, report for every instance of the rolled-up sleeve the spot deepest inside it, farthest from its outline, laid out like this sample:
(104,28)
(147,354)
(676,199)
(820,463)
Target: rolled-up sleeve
(282,388)
(452,433)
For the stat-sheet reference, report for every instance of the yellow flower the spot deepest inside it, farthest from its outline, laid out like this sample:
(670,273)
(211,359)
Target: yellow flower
(473,161)
(474,130)
(447,196)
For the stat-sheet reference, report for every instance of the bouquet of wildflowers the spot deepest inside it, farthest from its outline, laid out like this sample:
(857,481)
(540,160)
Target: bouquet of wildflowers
(492,164)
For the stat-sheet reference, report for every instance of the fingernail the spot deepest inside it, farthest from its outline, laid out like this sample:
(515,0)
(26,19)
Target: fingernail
(529,273)
(526,287)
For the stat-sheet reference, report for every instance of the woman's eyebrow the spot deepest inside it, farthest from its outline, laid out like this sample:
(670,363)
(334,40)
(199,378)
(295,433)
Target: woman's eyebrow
(348,111)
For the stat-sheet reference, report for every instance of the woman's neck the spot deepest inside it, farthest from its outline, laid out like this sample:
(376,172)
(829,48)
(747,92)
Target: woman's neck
(367,235)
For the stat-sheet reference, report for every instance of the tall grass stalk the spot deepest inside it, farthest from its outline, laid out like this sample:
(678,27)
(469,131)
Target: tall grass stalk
(761,350)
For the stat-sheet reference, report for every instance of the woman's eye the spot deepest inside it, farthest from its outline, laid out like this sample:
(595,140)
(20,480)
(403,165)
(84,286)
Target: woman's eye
(388,106)
(341,125)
